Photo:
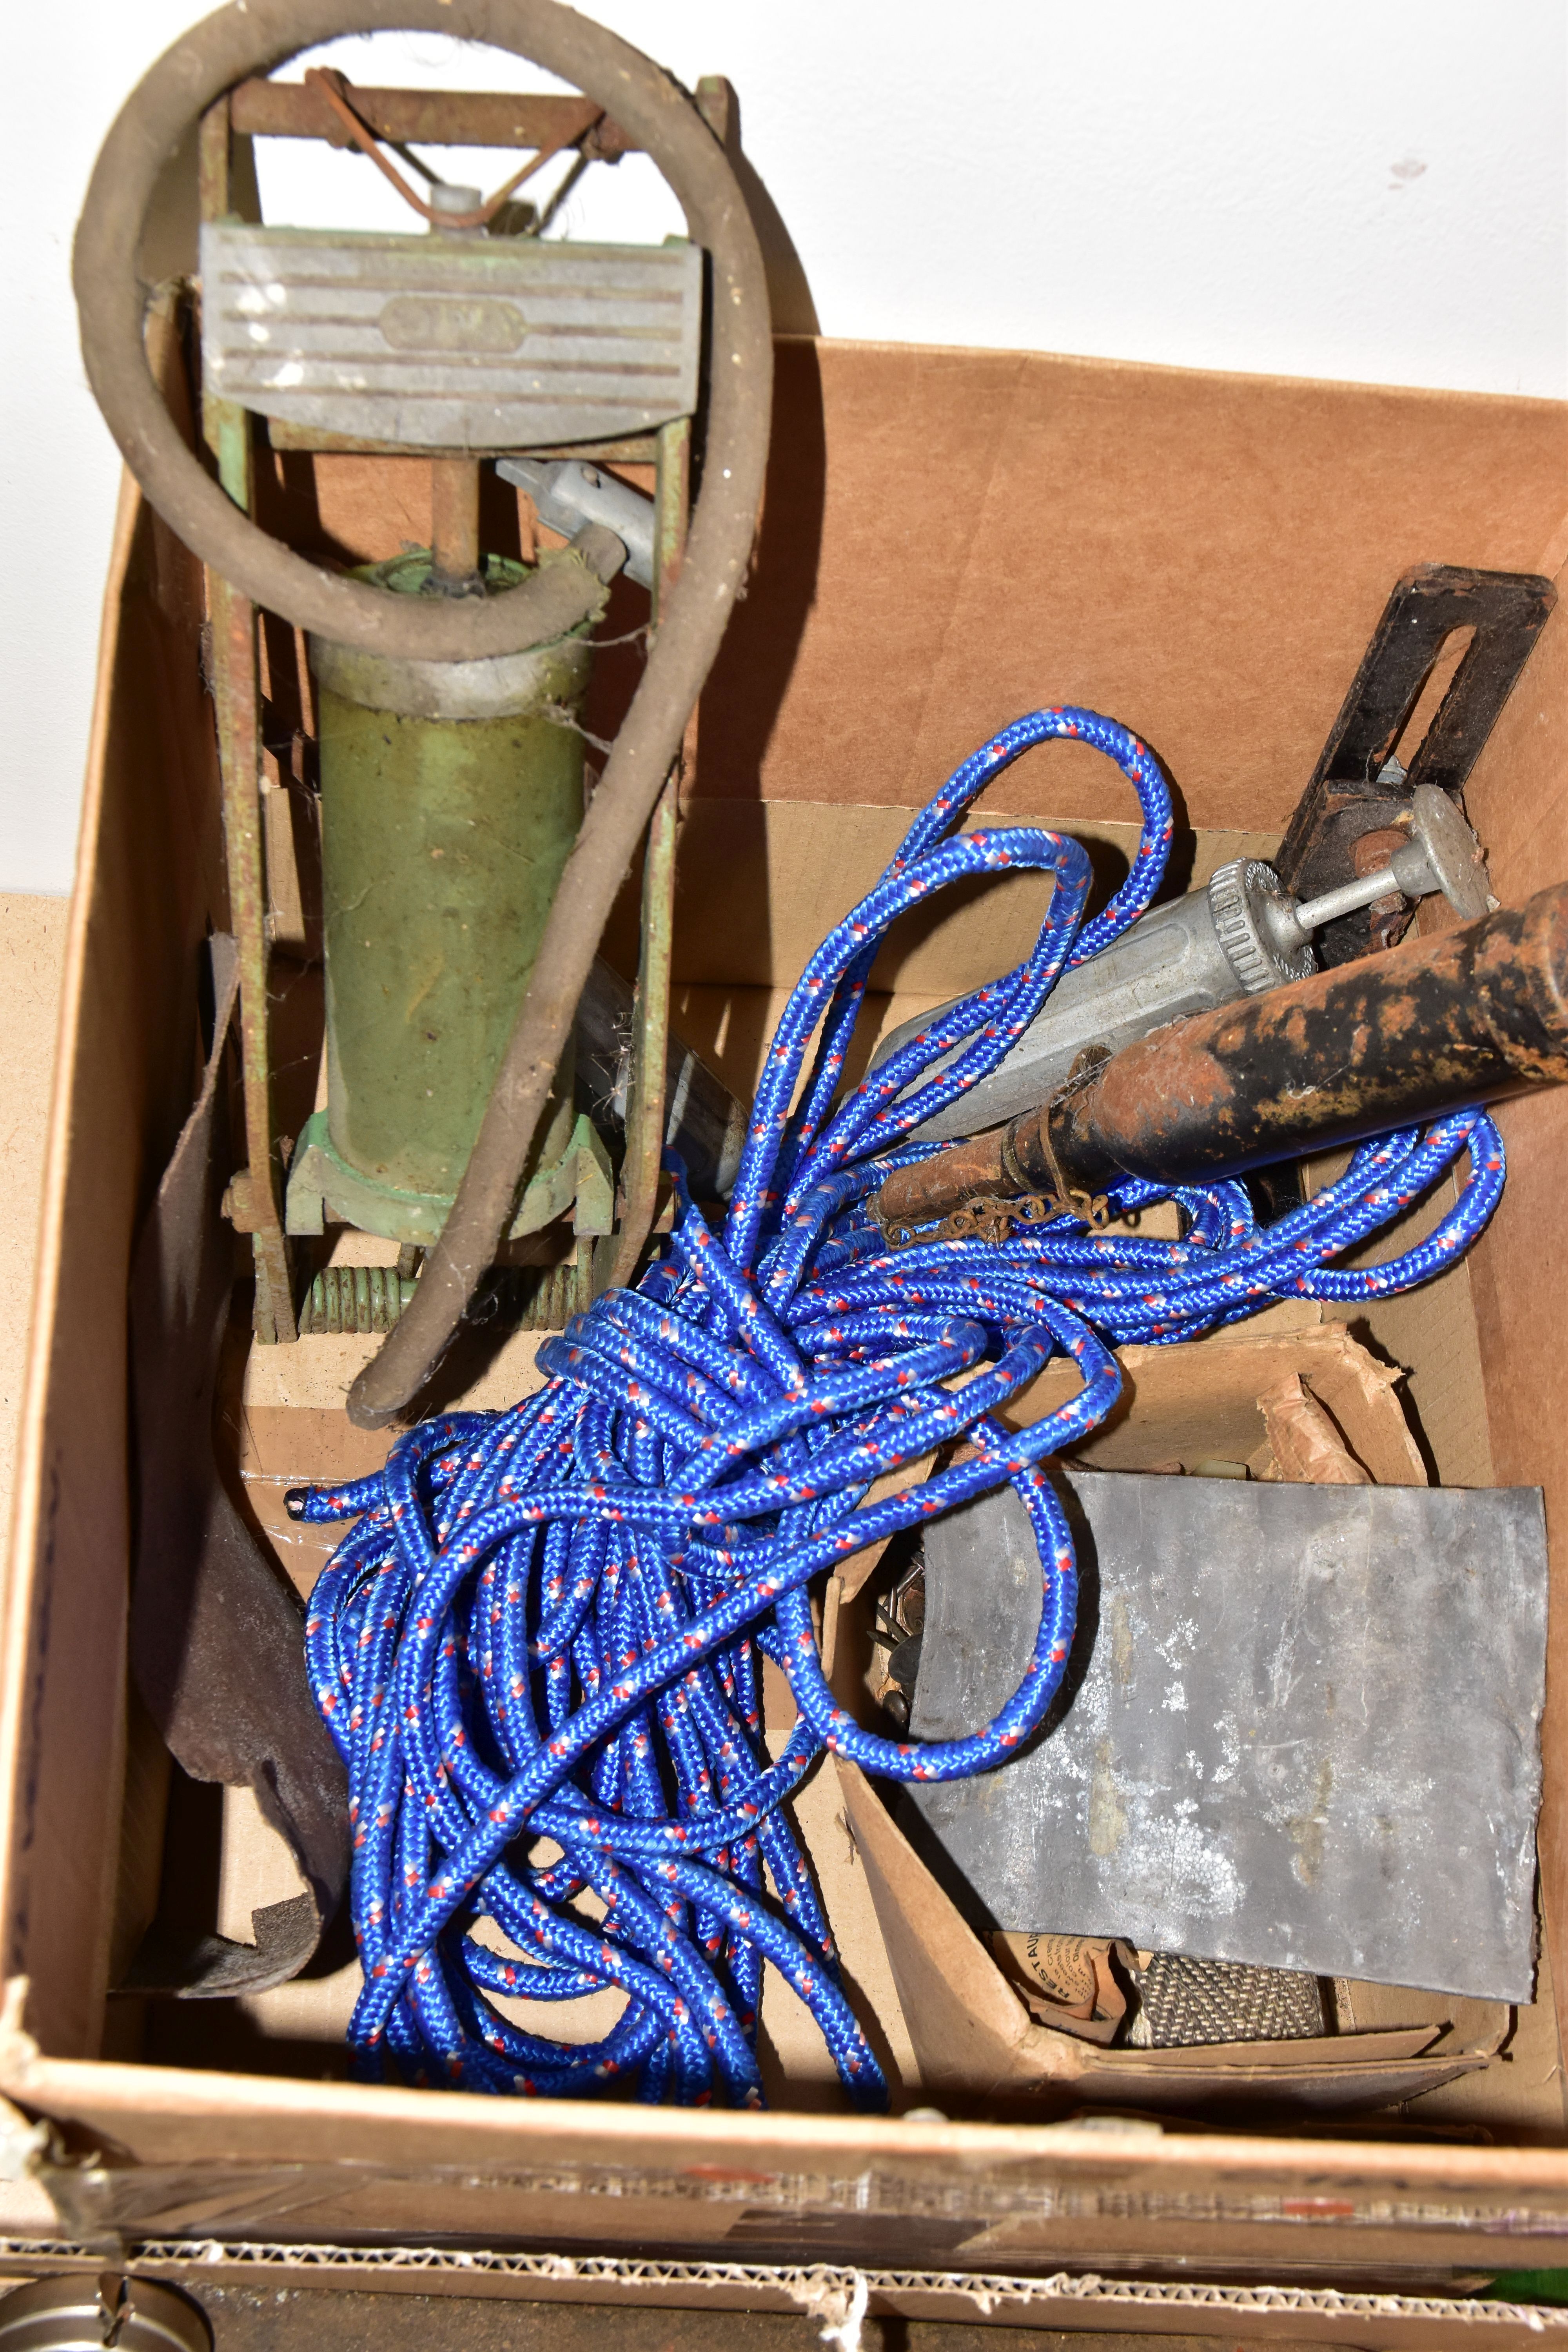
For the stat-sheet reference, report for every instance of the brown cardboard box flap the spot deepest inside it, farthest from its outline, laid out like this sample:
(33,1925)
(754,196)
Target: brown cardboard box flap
(952,537)
(974,2039)
(1202,1399)
(1220,550)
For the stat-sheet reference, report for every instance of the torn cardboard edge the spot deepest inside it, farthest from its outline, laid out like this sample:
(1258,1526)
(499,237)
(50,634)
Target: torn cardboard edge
(1307,1404)
(1067,1982)
(1205,1397)
(974,2039)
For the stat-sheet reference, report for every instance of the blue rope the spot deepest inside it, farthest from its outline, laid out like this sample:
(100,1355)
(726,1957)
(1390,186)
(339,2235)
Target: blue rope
(547,1623)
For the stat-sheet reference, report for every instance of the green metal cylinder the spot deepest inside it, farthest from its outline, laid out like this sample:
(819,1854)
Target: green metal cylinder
(451,797)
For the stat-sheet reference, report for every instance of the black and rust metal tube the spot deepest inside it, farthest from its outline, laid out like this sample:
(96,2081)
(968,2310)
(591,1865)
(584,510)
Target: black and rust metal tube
(1386,1042)
(930,1188)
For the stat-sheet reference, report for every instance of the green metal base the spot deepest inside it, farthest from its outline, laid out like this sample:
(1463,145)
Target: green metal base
(323,1188)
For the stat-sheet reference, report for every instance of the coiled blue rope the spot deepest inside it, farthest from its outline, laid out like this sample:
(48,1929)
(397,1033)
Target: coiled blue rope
(547,1622)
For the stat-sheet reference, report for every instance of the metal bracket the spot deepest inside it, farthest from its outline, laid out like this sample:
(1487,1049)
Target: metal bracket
(650,1034)
(1359,787)
(579,1184)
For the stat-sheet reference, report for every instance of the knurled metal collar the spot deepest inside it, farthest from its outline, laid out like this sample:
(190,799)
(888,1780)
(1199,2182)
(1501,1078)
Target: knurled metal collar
(1238,895)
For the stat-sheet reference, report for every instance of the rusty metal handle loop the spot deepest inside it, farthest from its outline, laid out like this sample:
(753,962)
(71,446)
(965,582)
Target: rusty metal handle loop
(253,36)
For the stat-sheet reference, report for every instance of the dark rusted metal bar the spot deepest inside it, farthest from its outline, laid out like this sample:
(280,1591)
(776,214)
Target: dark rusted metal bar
(969,1172)
(651,1039)
(454,525)
(650,1042)
(1354,791)
(436,117)
(256,1190)
(256,1194)
(1386,1042)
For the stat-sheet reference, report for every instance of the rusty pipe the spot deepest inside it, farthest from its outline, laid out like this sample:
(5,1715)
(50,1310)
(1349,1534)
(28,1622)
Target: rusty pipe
(1386,1042)
(966,1172)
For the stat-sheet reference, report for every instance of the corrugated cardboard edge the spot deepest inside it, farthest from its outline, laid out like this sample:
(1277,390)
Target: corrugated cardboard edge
(974,2038)
(34,1497)
(1062,2300)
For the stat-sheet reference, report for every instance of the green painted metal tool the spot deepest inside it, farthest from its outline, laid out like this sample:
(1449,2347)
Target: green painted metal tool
(451,797)
(447,684)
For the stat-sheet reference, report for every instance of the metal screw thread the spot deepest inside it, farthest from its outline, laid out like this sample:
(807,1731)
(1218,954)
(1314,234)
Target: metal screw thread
(547,1298)
(372,1297)
(354,1298)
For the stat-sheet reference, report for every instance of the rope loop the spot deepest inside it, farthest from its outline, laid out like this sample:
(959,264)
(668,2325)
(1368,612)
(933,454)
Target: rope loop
(541,1648)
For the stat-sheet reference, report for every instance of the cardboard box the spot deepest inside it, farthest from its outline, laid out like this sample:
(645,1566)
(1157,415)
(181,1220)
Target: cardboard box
(975,2039)
(951,538)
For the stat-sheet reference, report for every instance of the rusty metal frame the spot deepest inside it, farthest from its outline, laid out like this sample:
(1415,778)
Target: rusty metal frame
(255,1194)
(436,117)
(261,108)
(645,1127)
(650,1032)
(571,131)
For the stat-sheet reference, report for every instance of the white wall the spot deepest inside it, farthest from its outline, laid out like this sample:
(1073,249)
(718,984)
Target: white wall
(1370,189)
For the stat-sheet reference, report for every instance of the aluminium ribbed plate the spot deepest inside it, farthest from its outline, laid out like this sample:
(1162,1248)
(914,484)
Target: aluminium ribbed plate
(451,343)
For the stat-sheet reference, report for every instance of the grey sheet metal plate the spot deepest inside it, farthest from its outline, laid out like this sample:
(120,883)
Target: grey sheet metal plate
(1302,1729)
(451,343)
